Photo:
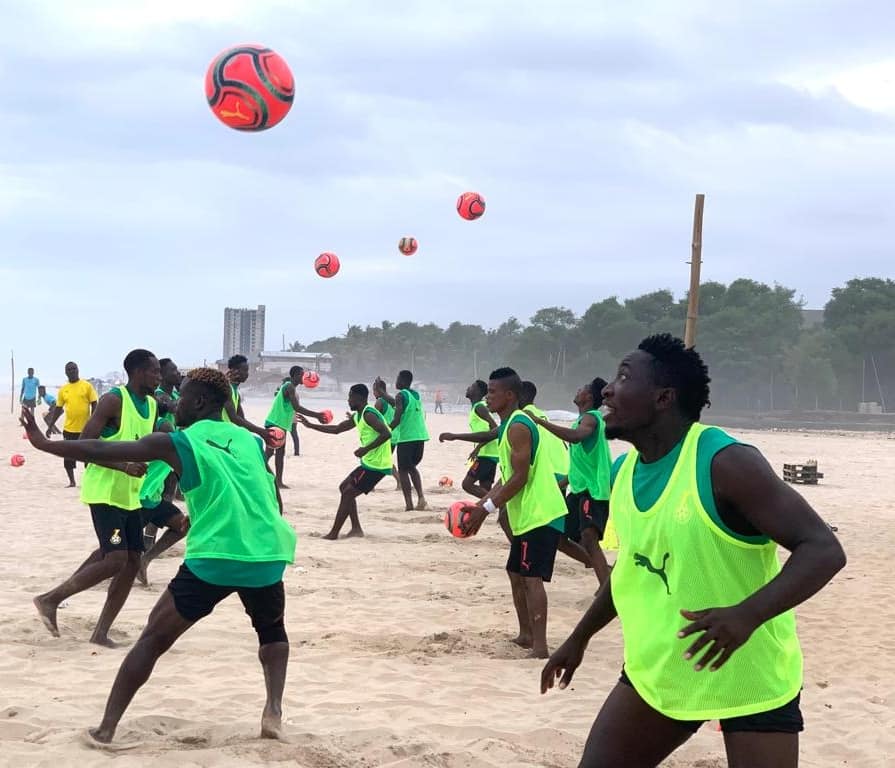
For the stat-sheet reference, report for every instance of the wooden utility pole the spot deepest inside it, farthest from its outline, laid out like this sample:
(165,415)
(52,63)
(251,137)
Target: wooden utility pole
(12,382)
(695,264)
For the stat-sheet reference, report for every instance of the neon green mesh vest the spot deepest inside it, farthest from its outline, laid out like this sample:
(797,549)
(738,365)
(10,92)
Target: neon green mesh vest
(100,485)
(412,426)
(589,462)
(554,447)
(478,424)
(673,556)
(281,414)
(379,459)
(175,396)
(540,501)
(153,488)
(234,398)
(234,513)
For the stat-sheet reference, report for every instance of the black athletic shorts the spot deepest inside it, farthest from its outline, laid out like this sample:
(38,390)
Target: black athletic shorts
(573,517)
(534,552)
(70,463)
(594,513)
(160,515)
(410,454)
(364,480)
(195,599)
(483,470)
(117,529)
(785,719)
(29,402)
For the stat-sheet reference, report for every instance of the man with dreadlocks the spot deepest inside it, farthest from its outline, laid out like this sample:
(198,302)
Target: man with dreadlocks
(697,582)
(238,540)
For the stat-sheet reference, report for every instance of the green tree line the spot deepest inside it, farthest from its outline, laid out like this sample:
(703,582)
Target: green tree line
(764,352)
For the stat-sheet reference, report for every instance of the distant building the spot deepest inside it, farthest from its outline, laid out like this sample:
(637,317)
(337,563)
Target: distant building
(244,332)
(281,362)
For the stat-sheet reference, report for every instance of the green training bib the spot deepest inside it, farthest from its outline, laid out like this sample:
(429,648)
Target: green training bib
(673,556)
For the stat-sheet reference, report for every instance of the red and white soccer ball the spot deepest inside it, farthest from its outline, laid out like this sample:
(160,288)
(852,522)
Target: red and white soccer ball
(249,87)
(408,245)
(471,205)
(327,264)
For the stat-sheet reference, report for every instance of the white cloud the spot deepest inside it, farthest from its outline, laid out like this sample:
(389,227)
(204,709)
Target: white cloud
(588,127)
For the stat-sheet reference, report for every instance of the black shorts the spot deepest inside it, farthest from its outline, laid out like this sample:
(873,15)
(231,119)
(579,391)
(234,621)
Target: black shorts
(195,599)
(161,515)
(117,529)
(785,719)
(410,454)
(594,513)
(364,480)
(483,470)
(29,402)
(573,517)
(70,463)
(534,552)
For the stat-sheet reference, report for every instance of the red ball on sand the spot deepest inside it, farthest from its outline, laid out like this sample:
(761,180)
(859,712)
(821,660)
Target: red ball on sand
(470,205)
(310,379)
(277,437)
(408,245)
(249,87)
(453,516)
(327,416)
(445,482)
(17,460)
(327,264)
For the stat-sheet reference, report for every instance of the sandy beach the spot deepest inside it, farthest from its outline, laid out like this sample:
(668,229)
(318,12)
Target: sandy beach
(400,641)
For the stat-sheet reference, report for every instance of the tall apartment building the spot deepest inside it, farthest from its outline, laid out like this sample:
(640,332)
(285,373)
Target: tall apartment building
(243,332)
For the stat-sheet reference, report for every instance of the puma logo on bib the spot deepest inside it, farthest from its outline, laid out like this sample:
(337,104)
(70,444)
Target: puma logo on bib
(644,561)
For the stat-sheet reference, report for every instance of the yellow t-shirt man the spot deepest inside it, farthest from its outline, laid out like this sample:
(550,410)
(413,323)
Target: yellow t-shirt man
(75,398)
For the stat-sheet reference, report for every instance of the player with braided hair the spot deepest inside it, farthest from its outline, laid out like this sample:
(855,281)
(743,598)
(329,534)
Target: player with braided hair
(238,540)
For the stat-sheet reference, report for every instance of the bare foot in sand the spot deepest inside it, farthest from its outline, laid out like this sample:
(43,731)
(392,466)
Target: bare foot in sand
(283,486)
(99,739)
(523,641)
(47,613)
(330,536)
(354,533)
(98,736)
(106,642)
(542,654)
(272,725)
(422,506)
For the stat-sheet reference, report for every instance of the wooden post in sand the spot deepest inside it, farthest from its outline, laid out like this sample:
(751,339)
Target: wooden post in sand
(695,264)
(12,382)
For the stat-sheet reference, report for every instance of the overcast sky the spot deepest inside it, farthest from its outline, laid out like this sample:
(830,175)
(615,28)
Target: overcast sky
(131,217)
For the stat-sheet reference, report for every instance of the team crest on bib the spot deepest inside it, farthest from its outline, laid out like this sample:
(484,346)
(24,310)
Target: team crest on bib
(684,511)
(115,539)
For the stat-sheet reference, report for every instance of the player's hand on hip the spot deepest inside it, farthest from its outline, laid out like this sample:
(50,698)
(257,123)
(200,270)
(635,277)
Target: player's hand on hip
(723,630)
